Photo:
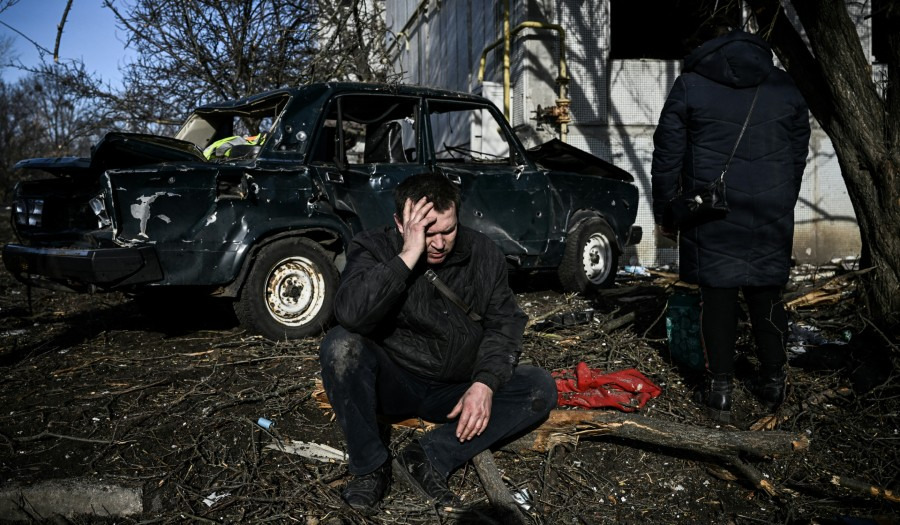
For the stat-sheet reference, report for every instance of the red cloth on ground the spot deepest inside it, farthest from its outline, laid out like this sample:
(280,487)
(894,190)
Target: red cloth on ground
(627,390)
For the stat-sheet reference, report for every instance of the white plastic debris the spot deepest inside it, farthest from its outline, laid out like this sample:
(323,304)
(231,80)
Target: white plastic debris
(315,451)
(636,270)
(523,498)
(214,498)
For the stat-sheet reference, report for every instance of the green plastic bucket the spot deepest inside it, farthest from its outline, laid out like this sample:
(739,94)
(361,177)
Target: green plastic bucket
(683,330)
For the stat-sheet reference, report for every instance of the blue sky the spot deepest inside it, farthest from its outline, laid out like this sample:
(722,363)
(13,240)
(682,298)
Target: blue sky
(90,35)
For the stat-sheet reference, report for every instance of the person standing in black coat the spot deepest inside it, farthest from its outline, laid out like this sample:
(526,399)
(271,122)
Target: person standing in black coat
(749,250)
(405,348)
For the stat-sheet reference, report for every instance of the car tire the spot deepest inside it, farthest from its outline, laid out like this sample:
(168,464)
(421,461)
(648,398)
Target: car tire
(591,258)
(289,292)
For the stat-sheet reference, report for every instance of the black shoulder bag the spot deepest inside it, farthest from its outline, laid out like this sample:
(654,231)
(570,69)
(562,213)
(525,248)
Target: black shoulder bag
(708,202)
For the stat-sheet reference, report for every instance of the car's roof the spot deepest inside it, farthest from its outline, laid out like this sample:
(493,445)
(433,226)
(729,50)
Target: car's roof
(318,89)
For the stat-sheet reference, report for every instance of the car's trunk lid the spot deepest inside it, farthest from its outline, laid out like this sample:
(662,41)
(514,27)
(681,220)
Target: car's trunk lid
(117,151)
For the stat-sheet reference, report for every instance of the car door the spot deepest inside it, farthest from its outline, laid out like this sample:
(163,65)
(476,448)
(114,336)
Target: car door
(503,195)
(366,145)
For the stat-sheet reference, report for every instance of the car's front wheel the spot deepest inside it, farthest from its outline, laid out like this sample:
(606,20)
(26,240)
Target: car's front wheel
(591,258)
(289,291)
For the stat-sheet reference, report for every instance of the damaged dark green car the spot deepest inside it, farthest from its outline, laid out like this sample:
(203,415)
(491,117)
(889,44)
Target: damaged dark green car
(255,200)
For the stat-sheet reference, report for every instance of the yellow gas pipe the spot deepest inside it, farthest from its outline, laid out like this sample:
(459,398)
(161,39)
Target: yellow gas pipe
(562,103)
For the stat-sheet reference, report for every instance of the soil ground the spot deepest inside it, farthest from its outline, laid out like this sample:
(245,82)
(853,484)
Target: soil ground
(94,390)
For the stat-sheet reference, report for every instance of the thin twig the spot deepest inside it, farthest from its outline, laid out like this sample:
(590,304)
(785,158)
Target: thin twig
(45,435)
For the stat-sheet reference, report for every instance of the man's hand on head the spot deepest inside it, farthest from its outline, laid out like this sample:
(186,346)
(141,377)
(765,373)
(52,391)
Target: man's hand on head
(473,410)
(413,226)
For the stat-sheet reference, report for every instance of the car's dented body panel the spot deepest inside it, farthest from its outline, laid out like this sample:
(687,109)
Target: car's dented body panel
(173,218)
(612,200)
(202,221)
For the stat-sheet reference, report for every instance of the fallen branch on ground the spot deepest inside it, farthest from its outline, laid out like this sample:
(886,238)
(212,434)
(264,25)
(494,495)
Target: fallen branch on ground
(618,322)
(496,489)
(727,446)
(828,292)
(53,435)
(637,427)
(865,488)
(712,442)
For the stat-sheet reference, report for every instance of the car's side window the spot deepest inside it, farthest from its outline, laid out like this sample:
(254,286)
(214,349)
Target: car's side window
(466,133)
(368,129)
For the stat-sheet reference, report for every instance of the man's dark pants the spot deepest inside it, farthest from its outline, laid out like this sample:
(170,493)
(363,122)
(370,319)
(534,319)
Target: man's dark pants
(361,381)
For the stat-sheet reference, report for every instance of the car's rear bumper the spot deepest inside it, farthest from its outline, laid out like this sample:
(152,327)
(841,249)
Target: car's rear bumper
(81,269)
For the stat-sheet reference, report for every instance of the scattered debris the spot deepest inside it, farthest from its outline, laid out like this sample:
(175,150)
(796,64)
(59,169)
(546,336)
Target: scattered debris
(566,319)
(636,270)
(315,451)
(214,498)
(96,391)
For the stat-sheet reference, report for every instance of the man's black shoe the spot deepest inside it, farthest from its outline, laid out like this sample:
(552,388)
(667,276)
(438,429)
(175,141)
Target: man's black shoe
(413,466)
(363,493)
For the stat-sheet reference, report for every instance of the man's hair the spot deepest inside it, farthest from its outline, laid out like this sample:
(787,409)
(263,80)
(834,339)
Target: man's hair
(439,191)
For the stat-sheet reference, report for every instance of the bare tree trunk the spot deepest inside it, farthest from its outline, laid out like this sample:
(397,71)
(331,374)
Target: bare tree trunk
(836,80)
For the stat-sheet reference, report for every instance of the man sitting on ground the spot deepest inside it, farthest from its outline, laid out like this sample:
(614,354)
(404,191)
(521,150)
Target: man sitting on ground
(405,348)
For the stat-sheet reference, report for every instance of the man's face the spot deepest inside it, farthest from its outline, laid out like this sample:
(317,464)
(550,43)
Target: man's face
(440,236)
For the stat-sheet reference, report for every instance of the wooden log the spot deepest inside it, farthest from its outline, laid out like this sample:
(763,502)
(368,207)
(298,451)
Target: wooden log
(495,488)
(618,322)
(708,441)
(564,426)
(567,425)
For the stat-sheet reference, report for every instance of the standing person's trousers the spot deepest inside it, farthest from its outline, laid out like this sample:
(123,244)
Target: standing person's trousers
(718,324)
(362,381)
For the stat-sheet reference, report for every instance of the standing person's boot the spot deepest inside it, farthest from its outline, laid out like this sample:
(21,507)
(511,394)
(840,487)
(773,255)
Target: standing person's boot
(718,398)
(770,386)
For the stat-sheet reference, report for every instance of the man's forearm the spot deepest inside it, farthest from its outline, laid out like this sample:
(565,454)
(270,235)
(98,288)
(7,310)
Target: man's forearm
(366,295)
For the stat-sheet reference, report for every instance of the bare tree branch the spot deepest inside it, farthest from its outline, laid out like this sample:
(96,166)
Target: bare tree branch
(59,30)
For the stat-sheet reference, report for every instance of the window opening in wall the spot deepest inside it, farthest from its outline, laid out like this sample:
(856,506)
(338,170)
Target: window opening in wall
(882,27)
(662,29)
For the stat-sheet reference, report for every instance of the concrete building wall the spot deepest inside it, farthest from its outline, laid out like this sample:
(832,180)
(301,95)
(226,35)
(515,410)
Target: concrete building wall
(615,104)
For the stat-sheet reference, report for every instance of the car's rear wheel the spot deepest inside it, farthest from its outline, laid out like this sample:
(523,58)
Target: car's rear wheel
(591,258)
(289,291)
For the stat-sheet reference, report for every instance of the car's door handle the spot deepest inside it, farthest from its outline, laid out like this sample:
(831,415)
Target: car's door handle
(336,178)
(455,179)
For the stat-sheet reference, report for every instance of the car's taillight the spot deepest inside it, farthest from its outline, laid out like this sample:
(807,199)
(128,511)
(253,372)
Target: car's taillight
(99,208)
(29,212)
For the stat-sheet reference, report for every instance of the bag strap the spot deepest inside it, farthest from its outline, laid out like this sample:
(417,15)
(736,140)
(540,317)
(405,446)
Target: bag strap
(741,135)
(448,293)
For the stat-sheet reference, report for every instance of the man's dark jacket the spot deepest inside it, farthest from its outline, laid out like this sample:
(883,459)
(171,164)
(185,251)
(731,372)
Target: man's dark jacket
(424,332)
(698,127)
